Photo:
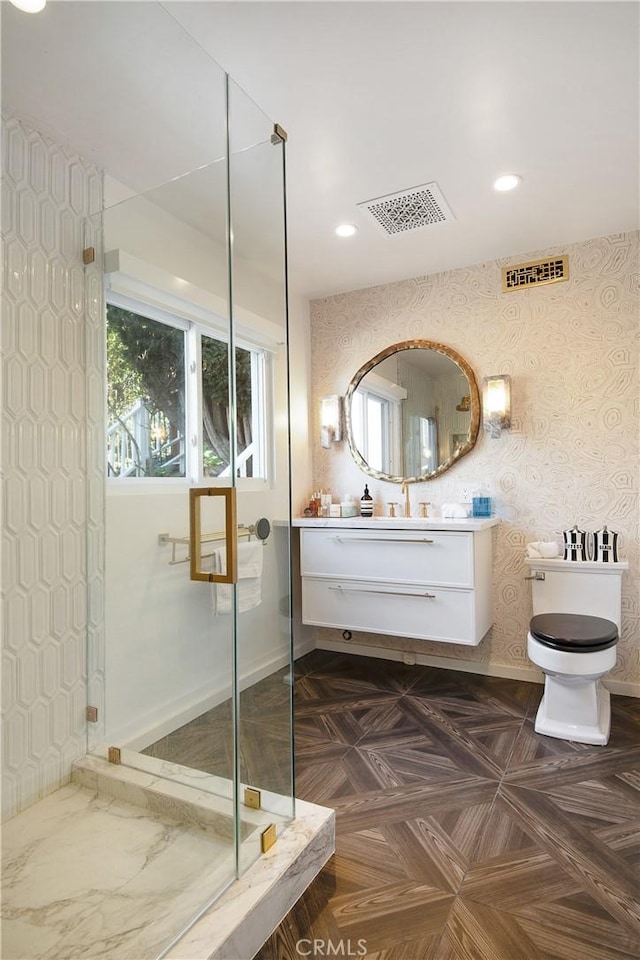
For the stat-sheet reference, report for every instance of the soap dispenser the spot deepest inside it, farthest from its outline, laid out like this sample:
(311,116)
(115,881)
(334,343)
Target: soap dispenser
(366,503)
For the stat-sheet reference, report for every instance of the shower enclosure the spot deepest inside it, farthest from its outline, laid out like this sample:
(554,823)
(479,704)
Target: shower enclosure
(189,646)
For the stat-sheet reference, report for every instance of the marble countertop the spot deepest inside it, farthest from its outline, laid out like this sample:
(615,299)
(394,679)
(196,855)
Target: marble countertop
(467,524)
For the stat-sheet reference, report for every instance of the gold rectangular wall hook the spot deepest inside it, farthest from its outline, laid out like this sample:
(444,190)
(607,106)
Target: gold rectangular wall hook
(88,255)
(268,838)
(114,755)
(92,714)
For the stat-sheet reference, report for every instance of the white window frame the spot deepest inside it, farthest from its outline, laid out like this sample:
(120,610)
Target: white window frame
(196,322)
(390,396)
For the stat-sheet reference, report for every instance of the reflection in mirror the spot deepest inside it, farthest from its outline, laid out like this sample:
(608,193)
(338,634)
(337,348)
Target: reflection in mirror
(412,411)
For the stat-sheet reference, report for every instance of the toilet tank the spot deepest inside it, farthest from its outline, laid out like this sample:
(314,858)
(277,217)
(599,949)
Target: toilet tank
(568,586)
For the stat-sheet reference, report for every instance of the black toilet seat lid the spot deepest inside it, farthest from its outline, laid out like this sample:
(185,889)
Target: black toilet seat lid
(574,632)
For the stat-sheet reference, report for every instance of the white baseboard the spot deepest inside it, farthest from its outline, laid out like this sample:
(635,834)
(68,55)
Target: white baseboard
(528,674)
(623,688)
(150,729)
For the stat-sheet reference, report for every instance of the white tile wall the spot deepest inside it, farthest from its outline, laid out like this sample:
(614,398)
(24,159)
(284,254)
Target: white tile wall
(47,193)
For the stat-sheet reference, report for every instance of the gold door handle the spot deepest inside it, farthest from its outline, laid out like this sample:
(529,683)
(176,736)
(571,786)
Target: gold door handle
(230,534)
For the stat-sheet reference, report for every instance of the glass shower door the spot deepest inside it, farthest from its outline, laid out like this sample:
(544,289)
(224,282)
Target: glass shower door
(169,653)
(193,657)
(262,594)
(160,654)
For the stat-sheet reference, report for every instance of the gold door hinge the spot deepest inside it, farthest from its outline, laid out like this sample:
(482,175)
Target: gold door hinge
(91,714)
(88,255)
(252,798)
(113,755)
(268,837)
(279,134)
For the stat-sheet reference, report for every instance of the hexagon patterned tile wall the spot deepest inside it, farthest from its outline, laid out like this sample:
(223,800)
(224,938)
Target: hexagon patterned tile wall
(47,193)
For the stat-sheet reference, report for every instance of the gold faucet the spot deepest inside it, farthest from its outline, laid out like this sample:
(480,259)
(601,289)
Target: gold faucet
(407,501)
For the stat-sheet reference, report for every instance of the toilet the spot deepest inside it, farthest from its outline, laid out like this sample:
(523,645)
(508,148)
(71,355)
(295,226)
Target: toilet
(572,638)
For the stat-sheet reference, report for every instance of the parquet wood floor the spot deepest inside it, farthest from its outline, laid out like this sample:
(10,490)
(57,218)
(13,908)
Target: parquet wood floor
(461,834)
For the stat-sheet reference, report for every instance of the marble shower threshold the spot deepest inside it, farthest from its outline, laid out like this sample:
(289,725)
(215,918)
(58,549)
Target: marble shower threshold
(89,874)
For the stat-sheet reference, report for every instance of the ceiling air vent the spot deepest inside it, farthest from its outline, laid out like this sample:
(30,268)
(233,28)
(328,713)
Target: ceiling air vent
(412,209)
(534,273)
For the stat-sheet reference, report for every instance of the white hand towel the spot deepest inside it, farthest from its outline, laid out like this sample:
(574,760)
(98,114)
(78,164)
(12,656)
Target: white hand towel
(547,549)
(250,557)
(455,511)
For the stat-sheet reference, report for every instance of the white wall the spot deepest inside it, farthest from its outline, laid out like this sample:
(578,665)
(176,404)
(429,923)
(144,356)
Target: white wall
(168,657)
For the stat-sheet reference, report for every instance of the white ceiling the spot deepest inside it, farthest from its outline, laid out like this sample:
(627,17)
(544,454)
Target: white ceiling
(377,97)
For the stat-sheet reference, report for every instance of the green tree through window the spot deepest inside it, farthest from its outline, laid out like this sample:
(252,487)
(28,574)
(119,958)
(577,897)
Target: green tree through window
(146,397)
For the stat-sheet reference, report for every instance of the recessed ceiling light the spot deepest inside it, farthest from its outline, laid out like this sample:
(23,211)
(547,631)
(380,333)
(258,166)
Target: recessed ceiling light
(346,230)
(29,6)
(509,182)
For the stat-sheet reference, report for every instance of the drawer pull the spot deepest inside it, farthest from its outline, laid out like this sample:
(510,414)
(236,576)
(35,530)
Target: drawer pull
(385,539)
(385,593)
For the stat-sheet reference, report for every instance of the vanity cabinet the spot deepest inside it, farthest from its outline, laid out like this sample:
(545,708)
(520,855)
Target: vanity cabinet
(430,583)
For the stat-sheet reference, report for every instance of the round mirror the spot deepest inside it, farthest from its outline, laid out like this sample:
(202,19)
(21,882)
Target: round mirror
(412,412)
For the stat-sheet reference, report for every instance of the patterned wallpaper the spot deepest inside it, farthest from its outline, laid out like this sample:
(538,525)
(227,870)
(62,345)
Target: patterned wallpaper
(571,456)
(46,195)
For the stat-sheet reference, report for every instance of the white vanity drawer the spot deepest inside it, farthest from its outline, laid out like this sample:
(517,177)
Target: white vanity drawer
(398,556)
(427,613)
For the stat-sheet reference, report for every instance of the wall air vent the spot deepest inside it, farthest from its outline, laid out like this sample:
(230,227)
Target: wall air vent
(533,274)
(421,206)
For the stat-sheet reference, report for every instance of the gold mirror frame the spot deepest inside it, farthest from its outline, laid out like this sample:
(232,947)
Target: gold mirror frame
(474,424)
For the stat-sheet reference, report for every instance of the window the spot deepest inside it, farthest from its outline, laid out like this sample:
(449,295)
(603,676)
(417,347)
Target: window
(371,423)
(145,396)
(376,420)
(215,415)
(168,398)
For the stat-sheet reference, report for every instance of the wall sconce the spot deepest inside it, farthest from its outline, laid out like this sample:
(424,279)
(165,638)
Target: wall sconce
(29,6)
(331,416)
(496,404)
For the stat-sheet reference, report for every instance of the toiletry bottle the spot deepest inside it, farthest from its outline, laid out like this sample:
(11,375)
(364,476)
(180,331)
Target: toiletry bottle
(366,503)
(481,505)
